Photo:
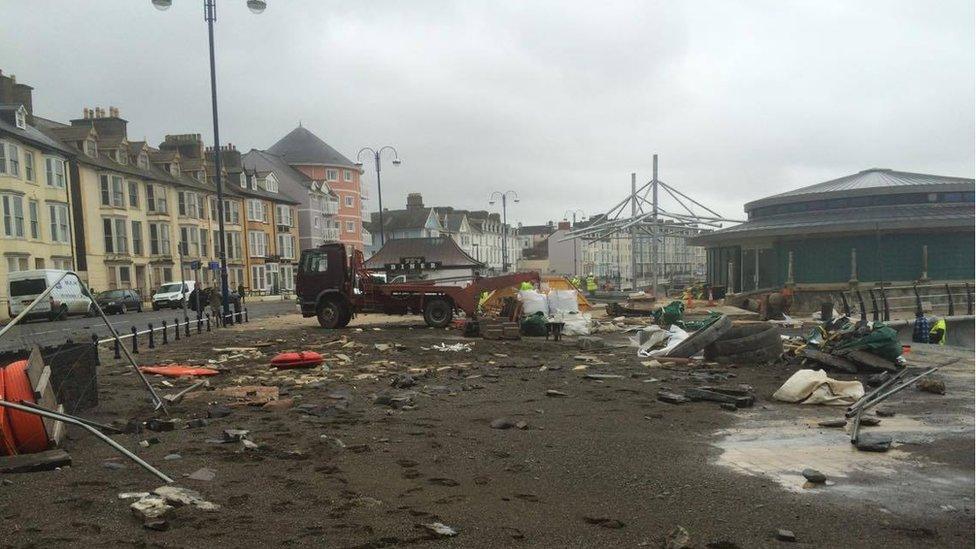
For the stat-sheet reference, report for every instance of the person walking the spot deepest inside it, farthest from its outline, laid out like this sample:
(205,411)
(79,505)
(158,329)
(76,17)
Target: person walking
(215,302)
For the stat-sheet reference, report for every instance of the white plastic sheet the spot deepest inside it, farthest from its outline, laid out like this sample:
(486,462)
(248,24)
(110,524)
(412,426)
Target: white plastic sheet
(673,336)
(575,324)
(533,302)
(814,387)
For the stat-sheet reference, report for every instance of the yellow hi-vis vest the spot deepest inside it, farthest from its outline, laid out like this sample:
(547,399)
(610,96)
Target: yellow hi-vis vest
(939,326)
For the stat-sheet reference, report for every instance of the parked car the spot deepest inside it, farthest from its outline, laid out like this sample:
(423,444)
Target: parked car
(67,298)
(172,295)
(119,301)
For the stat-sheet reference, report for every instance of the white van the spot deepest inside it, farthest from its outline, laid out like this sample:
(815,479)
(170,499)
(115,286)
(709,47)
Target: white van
(172,295)
(66,299)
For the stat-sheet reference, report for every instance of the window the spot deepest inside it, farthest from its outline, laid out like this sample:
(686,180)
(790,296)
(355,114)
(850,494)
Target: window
(13,215)
(349,202)
(17,263)
(243,180)
(133,194)
(257,242)
(190,241)
(231,213)
(33,211)
(159,239)
(13,159)
(3,157)
(137,237)
(233,244)
(29,165)
(112,193)
(258,281)
(347,175)
(316,222)
(286,246)
(61,263)
(204,242)
(59,222)
(332,175)
(181,202)
(116,235)
(283,214)
(350,226)
(257,210)
(156,198)
(287,277)
(270,183)
(54,170)
(20,118)
(143,161)
(91,148)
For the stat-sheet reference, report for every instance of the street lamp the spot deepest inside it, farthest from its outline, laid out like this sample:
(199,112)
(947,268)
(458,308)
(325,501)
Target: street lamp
(575,241)
(504,197)
(210,15)
(379,187)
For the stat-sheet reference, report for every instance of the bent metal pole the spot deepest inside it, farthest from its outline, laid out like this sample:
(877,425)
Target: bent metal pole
(157,402)
(65,418)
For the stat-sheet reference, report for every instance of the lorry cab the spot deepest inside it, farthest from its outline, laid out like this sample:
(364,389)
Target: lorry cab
(66,299)
(324,281)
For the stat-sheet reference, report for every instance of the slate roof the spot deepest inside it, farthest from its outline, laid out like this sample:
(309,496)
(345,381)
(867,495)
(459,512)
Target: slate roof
(301,146)
(452,222)
(868,182)
(289,179)
(401,219)
(35,136)
(536,230)
(441,248)
(866,219)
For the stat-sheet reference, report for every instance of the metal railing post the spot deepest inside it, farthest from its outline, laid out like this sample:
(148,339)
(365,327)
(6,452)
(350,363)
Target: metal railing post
(135,341)
(165,333)
(152,339)
(176,330)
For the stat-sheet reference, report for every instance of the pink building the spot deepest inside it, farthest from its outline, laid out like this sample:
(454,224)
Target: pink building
(306,152)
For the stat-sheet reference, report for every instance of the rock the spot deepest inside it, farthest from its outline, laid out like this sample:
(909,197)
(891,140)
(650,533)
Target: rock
(729,406)
(605,522)
(521,425)
(158,525)
(133,427)
(602,376)
(160,425)
(934,386)
(678,538)
(172,457)
(873,443)
(234,435)
(586,343)
(870,421)
(204,474)
(671,398)
(814,476)
(280,404)
(834,423)
(399,400)
(884,412)
(150,507)
(197,422)
(175,495)
(403,381)
(382,347)
(440,529)
(502,423)
(785,535)
(219,411)
(651,363)
(555,393)
(133,495)
(113,464)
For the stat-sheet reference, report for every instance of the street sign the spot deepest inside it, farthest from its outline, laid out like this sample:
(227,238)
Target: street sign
(194,265)
(214,265)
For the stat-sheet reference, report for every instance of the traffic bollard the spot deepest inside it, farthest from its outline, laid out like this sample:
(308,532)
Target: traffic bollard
(176,331)
(118,352)
(199,325)
(165,334)
(186,326)
(245,314)
(152,339)
(135,341)
(94,339)
(208,322)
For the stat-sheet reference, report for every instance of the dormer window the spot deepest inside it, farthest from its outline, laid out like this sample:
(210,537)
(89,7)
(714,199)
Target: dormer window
(243,180)
(91,148)
(270,183)
(120,157)
(20,118)
(143,161)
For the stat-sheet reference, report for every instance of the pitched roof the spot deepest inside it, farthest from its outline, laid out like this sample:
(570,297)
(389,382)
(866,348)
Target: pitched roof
(35,136)
(415,218)
(536,229)
(301,146)
(290,180)
(442,249)
(453,221)
(868,182)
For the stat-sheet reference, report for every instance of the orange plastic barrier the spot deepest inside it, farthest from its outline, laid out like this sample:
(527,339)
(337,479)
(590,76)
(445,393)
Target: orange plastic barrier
(304,359)
(27,430)
(178,370)
(7,447)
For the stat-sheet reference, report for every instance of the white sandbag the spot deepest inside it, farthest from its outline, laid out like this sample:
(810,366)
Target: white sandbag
(533,302)
(563,301)
(574,324)
(814,387)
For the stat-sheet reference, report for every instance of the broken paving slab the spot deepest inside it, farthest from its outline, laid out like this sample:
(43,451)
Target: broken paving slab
(671,398)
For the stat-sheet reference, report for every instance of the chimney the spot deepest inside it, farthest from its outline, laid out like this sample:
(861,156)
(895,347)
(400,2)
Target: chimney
(18,94)
(564,225)
(415,201)
(113,112)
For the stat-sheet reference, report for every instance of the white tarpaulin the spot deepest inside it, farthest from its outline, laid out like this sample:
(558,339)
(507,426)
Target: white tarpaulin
(563,301)
(533,302)
(670,338)
(814,387)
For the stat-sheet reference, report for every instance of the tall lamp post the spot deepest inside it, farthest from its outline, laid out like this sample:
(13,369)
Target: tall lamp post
(377,153)
(575,241)
(210,15)
(504,197)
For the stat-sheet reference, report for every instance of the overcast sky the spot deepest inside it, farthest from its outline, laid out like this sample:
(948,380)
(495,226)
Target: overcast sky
(559,101)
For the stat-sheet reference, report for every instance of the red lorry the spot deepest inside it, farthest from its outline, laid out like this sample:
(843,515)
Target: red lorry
(334,286)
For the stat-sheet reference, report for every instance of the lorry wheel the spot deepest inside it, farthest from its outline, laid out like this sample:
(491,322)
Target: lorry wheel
(438,313)
(346,317)
(330,314)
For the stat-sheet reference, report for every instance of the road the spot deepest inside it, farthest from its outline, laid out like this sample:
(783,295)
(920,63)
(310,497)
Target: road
(80,328)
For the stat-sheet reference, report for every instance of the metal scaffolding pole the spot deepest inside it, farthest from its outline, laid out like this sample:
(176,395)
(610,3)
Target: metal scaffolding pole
(634,249)
(654,229)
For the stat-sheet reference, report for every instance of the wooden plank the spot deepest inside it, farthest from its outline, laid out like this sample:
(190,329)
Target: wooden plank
(56,431)
(29,463)
(830,360)
(871,360)
(35,366)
